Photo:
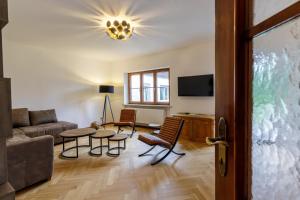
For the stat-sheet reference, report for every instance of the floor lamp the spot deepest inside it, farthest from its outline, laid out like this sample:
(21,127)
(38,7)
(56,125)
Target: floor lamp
(106,89)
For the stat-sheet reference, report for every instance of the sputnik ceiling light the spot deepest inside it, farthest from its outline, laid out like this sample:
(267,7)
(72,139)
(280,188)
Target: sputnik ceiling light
(119,29)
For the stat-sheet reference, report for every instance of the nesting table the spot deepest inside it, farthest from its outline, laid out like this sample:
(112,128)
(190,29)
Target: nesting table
(76,134)
(117,138)
(111,136)
(92,133)
(101,134)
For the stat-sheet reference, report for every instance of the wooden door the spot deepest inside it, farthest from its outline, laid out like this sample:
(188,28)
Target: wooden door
(231,97)
(236,35)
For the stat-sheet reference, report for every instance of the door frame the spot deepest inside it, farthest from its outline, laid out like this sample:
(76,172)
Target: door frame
(234,50)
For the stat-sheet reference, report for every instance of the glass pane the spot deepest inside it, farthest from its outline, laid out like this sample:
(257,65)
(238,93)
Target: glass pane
(148,87)
(135,84)
(135,81)
(135,95)
(148,94)
(276,114)
(264,9)
(163,87)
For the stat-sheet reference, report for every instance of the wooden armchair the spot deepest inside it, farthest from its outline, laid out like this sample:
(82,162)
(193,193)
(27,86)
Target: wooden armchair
(127,119)
(167,138)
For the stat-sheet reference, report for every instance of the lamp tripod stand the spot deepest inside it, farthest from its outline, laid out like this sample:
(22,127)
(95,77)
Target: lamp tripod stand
(106,101)
(106,89)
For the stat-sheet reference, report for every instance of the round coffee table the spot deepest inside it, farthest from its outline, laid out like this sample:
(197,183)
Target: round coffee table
(117,138)
(75,134)
(101,134)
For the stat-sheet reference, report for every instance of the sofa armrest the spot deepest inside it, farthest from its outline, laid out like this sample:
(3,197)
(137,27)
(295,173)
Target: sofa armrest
(30,161)
(29,148)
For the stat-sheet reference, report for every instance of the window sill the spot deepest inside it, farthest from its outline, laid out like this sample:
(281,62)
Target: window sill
(164,107)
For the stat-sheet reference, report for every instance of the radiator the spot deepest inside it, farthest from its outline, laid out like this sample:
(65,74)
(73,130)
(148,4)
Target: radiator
(144,115)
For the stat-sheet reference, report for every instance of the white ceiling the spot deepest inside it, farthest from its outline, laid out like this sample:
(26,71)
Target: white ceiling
(73,25)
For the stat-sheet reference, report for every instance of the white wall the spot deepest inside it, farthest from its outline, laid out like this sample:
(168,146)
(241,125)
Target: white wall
(43,79)
(194,59)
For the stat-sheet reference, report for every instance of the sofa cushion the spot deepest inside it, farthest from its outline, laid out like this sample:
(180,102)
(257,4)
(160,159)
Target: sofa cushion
(20,117)
(16,139)
(18,132)
(33,131)
(67,125)
(53,129)
(42,117)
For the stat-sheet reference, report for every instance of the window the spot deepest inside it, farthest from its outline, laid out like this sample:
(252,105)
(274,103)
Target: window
(163,89)
(149,87)
(135,88)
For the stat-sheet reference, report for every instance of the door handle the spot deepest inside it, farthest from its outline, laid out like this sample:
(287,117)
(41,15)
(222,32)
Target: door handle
(217,140)
(221,141)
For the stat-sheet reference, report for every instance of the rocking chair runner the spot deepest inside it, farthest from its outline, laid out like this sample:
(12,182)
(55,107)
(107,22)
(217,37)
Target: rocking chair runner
(127,118)
(167,138)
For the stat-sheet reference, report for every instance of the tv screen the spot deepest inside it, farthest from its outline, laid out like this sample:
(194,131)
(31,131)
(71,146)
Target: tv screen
(202,85)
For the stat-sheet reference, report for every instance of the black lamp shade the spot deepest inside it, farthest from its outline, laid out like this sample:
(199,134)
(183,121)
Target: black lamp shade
(106,89)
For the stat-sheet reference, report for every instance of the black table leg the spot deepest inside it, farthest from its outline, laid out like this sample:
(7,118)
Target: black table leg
(118,148)
(76,147)
(91,143)
(101,146)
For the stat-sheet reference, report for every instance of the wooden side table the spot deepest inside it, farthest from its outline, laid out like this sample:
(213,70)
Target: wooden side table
(75,134)
(101,134)
(117,138)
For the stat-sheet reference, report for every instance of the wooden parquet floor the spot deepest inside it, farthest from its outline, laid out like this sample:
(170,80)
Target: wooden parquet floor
(129,177)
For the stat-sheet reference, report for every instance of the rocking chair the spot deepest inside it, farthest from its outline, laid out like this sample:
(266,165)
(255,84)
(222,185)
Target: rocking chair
(167,138)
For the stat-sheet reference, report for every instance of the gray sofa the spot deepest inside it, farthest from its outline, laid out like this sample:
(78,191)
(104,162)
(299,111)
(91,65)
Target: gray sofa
(39,123)
(30,150)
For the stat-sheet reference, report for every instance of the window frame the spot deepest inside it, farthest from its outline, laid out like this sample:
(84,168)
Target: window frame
(141,74)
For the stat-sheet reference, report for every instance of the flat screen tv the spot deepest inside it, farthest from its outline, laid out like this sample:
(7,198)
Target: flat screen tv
(202,85)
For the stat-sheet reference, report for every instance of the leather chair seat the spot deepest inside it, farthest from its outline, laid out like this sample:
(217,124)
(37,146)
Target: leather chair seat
(153,140)
(124,124)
